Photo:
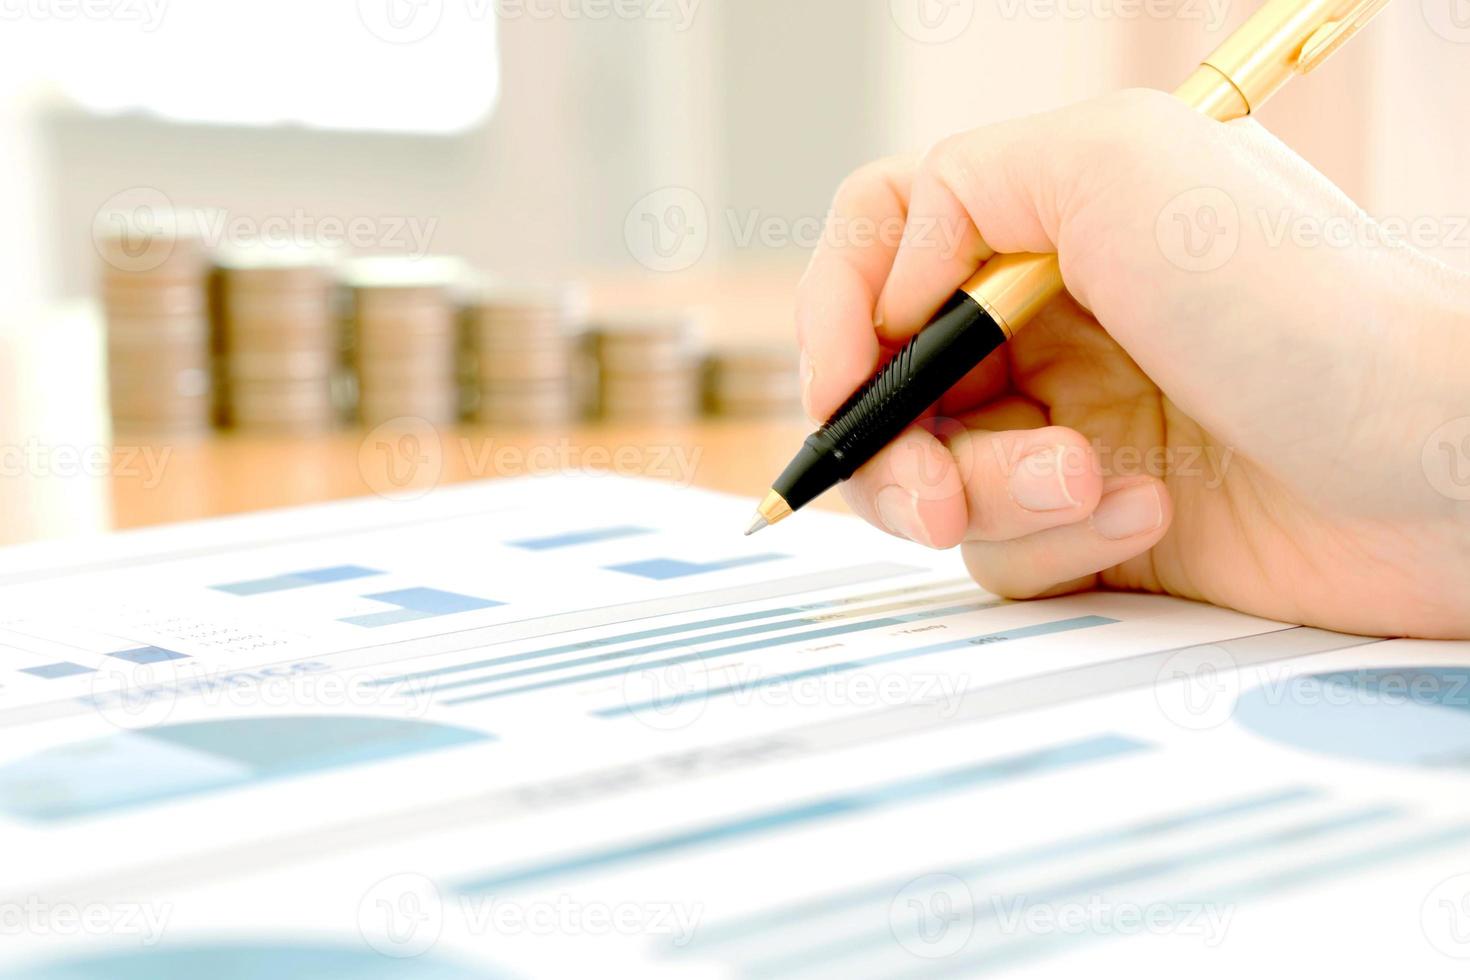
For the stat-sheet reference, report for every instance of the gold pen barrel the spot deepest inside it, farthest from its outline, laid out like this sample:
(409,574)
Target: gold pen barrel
(1210,92)
(1282,39)
(1014,286)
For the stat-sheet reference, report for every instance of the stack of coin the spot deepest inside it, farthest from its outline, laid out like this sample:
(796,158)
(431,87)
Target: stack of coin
(753,382)
(648,367)
(282,338)
(155,298)
(522,343)
(406,338)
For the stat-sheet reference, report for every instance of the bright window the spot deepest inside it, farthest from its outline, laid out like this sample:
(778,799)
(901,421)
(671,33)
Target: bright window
(419,66)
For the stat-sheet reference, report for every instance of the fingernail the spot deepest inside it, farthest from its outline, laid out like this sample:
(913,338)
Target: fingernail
(1039,482)
(1128,512)
(898,509)
(808,375)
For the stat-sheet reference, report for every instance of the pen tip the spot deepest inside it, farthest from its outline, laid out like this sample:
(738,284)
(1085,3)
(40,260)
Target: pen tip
(772,509)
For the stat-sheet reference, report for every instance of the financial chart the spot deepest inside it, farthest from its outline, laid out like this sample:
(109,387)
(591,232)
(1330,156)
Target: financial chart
(572,724)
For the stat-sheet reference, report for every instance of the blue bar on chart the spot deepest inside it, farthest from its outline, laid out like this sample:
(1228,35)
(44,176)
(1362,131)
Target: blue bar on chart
(415,604)
(853,939)
(148,655)
(297,580)
(762,644)
(807,914)
(573,538)
(664,569)
(1003,636)
(693,626)
(56,671)
(141,656)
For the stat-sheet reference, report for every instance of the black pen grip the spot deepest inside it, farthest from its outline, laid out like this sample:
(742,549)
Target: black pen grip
(959,337)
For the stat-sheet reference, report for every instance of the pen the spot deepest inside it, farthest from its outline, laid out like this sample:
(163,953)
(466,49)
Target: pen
(1282,39)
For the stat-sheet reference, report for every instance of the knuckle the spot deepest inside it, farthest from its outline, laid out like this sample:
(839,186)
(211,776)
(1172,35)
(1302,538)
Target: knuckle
(866,188)
(944,159)
(852,189)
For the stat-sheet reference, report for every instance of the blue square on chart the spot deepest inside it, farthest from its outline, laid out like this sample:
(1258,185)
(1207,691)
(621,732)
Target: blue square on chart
(337,573)
(661,569)
(664,569)
(53,671)
(433,601)
(573,538)
(148,655)
(389,617)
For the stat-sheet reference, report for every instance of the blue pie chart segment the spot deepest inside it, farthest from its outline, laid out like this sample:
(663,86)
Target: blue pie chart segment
(156,765)
(1400,716)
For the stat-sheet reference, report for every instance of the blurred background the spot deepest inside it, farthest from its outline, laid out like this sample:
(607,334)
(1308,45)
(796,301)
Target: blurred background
(581,212)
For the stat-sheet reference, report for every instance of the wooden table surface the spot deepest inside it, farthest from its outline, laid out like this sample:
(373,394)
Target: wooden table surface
(229,473)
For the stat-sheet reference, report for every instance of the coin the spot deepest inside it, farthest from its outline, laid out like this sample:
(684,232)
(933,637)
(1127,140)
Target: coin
(281,338)
(753,381)
(406,337)
(520,345)
(648,366)
(155,301)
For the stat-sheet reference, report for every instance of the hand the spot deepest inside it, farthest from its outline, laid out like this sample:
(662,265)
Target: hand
(1248,394)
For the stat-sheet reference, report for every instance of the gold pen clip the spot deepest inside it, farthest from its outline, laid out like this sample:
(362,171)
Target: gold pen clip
(1335,33)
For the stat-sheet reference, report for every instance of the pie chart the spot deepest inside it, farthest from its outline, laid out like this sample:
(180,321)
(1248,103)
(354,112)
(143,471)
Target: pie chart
(1400,716)
(139,768)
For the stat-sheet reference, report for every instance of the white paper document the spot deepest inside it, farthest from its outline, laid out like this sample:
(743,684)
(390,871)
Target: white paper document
(580,726)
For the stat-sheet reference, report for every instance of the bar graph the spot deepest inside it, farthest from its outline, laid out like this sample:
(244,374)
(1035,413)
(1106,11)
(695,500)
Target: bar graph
(802,610)
(297,580)
(852,931)
(414,604)
(734,649)
(871,617)
(665,569)
(871,901)
(139,656)
(1006,769)
(409,604)
(57,671)
(1287,876)
(572,539)
(1003,636)
(148,655)
(138,768)
(867,939)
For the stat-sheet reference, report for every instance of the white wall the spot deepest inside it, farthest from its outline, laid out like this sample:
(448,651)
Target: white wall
(26,254)
(1420,108)
(761,106)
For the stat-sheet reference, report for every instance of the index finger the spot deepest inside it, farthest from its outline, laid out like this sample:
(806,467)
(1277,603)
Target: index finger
(838,296)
